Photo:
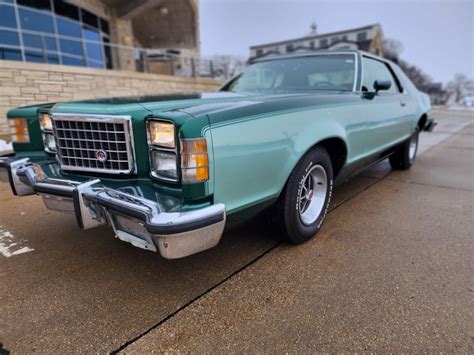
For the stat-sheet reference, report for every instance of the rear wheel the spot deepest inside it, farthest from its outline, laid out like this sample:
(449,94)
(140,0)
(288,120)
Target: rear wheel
(405,154)
(302,207)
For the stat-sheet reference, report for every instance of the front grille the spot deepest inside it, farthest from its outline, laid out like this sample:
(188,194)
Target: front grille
(94,143)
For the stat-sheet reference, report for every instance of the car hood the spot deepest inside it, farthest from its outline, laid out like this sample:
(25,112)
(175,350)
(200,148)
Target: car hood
(218,105)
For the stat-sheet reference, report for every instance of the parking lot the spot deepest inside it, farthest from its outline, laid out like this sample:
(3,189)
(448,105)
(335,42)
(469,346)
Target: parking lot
(391,270)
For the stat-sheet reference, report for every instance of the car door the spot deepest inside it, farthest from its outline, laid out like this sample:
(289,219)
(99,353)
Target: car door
(386,110)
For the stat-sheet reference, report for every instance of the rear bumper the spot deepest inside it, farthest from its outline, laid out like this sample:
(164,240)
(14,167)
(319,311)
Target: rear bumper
(430,125)
(136,220)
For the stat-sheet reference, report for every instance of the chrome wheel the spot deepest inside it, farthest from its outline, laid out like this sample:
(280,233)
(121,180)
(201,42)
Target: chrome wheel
(312,195)
(413,147)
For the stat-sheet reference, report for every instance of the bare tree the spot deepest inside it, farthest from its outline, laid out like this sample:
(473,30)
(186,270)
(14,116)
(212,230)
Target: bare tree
(457,86)
(392,49)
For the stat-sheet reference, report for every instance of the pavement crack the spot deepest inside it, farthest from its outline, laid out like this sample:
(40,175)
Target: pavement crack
(171,315)
(432,185)
(238,271)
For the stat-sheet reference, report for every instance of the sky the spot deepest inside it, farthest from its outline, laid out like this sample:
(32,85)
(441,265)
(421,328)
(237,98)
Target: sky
(436,35)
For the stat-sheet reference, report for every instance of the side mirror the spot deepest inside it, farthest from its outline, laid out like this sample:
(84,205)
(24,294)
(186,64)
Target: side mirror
(382,85)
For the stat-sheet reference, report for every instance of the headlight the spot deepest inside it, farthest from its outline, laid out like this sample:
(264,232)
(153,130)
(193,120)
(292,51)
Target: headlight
(19,130)
(162,134)
(49,143)
(164,165)
(45,122)
(46,125)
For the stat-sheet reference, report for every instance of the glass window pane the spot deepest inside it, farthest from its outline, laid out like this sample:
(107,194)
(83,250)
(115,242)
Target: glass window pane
(108,54)
(53,59)
(71,46)
(325,72)
(89,18)
(7,1)
(68,28)
(10,54)
(67,10)
(35,21)
(72,61)
(361,36)
(50,43)
(104,26)
(94,51)
(9,37)
(91,35)
(376,70)
(36,57)
(37,4)
(35,41)
(7,16)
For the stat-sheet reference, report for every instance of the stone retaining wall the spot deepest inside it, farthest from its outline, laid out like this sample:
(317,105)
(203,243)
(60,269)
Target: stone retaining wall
(23,83)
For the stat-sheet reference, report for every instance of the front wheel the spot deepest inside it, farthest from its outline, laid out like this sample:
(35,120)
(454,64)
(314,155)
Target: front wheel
(303,205)
(405,155)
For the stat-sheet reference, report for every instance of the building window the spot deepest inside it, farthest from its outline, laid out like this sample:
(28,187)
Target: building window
(53,31)
(361,36)
(289,48)
(323,42)
(259,52)
(7,16)
(335,39)
(344,38)
(311,44)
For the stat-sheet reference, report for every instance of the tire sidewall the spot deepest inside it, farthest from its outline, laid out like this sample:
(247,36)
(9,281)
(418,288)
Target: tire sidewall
(298,231)
(412,160)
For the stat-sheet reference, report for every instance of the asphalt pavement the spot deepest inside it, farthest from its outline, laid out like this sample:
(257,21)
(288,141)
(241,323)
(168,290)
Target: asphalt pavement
(391,270)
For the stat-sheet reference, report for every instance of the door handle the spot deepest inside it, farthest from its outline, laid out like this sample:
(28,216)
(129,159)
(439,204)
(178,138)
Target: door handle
(403,104)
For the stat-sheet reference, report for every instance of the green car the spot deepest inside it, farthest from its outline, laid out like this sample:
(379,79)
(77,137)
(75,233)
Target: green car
(168,173)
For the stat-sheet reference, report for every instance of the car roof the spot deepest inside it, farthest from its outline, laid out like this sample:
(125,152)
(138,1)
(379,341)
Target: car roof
(315,53)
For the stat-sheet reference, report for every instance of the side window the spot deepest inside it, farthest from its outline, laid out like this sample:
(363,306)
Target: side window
(377,70)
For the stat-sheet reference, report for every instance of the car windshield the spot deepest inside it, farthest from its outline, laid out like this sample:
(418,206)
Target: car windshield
(334,72)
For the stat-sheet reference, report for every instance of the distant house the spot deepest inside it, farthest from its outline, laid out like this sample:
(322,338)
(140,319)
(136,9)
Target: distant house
(367,38)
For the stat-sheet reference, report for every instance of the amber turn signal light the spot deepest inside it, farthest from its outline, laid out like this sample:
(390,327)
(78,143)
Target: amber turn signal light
(194,160)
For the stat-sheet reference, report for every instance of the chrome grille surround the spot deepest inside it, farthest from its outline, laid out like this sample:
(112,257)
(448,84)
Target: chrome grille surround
(79,137)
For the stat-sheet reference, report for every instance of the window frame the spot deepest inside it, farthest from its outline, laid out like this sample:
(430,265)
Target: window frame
(53,36)
(396,80)
(357,71)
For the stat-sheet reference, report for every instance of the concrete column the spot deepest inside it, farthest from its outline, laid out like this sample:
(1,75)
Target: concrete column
(121,32)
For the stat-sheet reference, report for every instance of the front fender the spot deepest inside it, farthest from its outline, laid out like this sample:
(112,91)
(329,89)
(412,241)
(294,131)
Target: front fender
(254,157)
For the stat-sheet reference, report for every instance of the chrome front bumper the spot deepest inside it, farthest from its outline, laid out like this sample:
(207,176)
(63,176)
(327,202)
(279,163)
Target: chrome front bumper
(136,220)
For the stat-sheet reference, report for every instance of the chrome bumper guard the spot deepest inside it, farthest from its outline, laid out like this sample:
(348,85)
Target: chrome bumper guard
(134,219)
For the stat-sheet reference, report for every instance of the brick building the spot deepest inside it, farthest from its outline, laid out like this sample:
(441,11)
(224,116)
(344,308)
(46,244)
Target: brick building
(55,50)
(368,38)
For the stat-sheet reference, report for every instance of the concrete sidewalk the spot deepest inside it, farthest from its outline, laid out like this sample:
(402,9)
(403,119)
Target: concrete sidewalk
(391,270)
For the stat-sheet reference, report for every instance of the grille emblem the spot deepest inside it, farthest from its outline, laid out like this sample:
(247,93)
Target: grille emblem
(101,156)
